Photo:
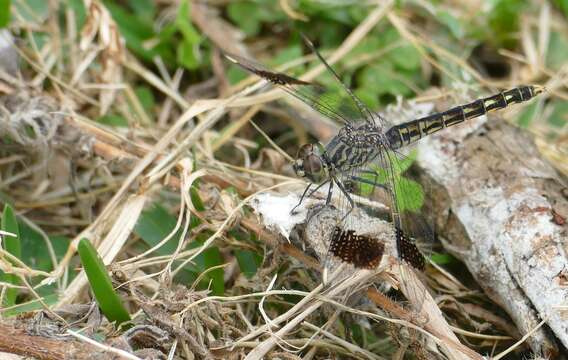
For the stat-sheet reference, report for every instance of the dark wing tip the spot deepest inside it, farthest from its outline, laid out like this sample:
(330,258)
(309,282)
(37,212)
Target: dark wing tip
(240,61)
(307,40)
(408,251)
(271,76)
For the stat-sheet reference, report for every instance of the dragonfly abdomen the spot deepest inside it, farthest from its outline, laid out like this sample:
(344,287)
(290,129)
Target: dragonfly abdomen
(412,131)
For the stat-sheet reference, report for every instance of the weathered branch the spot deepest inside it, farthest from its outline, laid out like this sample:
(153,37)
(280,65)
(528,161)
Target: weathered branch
(17,339)
(501,208)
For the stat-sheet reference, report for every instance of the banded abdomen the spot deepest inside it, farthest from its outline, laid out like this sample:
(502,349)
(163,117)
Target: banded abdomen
(412,131)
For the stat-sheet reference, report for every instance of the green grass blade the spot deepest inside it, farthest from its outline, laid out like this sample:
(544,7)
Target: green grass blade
(4,13)
(100,281)
(12,245)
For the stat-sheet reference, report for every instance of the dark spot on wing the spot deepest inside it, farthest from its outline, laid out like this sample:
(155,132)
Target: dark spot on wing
(359,250)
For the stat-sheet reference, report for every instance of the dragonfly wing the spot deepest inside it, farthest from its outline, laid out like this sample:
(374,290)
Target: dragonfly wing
(406,198)
(342,107)
(363,110)
(385,177)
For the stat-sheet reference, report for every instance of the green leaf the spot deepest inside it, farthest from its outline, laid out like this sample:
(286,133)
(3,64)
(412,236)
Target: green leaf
(143,8)
(368,45)
(10,224)
(190,35)
(212,257)
(195,198)
(368,98)
(557,56)
(455,25)
(32,305)
(442,259)
(405,58)
(563,5)
(136,31)
(209,258)
(113,120)
(399,167)
(153,225)
(381,79)
(528,115)
(503,21)
(186,55)
(367,189)
(12,245)
(405,162)
(236,74)
(107,298)
(78,8)
(248,261)
(4,13)
(246,15)
(337,15)
(287,54)
(145,96)
(32,10)
(36,254)
(559,116)
(410,196)
(132,27)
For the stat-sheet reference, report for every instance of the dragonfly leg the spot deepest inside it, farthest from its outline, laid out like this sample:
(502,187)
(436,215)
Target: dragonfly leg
(328,200)
(301,198)
(365,171)
(370,182)
(351,202)
(308,195)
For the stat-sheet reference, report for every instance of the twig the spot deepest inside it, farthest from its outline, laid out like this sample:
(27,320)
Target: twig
(105,348)
(523,339)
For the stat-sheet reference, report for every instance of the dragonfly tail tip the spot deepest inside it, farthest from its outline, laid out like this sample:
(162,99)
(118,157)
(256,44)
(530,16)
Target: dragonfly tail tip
(539,89)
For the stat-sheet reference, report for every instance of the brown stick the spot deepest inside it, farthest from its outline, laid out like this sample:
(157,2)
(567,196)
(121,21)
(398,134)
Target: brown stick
(16,340)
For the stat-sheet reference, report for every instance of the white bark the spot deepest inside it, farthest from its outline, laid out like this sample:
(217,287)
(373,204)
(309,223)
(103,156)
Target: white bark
(496,200)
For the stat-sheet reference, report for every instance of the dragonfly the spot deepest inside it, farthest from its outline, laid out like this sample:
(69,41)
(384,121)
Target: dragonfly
(365,151)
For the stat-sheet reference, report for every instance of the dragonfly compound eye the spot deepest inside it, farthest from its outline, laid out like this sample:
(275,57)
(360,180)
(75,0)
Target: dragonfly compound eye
(309,164)
(305,151)
(314,169)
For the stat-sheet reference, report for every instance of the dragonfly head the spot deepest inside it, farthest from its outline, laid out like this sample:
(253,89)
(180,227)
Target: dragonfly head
(310,164)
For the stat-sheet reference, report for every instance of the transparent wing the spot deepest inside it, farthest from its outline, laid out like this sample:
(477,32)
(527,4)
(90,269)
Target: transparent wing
(388,178)
(341,106)
(366,114)
(407,200)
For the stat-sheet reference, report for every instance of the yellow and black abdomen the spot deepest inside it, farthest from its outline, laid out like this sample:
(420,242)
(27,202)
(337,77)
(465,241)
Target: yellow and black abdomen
(412,131)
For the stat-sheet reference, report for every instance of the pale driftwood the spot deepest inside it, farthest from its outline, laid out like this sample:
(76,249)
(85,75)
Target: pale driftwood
(500,209)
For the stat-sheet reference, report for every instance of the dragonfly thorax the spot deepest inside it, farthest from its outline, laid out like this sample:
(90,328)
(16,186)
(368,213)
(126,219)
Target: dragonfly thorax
(311,164)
